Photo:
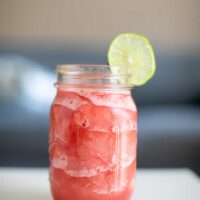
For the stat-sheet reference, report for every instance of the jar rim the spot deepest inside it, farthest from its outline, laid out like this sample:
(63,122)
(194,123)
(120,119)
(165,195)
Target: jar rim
(89,75)
(65,66)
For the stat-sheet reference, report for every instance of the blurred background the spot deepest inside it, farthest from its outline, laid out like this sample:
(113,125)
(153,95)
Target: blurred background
(37,35)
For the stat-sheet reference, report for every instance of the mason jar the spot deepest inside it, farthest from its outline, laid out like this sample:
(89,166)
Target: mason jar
(93,135)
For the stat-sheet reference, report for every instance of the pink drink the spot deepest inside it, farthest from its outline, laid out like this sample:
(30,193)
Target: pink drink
(93,138)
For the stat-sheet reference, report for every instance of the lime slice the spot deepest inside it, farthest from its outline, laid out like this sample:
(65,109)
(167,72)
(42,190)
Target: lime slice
(135,56)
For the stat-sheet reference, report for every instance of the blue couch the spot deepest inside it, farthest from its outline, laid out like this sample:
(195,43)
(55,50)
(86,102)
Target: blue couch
(169,109)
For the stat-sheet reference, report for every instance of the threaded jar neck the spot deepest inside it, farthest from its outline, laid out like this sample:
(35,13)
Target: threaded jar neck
(91,77)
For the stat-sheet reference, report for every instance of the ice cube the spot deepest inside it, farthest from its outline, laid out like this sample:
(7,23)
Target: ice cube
(110,99)
(70,100)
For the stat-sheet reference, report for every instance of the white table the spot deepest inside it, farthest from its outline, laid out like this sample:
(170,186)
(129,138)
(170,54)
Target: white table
(156,184)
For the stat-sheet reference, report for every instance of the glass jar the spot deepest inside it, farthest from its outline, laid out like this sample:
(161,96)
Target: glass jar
(93,135)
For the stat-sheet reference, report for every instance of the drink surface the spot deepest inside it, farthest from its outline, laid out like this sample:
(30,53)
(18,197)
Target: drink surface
(93,139)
